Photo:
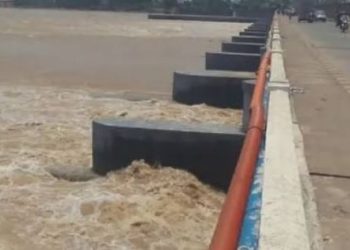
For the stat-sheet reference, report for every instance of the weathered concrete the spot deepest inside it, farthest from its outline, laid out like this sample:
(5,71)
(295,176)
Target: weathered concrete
(239,47)
(232,61)
(283,224)
(202,18)
(208,151)
(249,39)
(278,74)
(252,33)
(283,215)
(216,88)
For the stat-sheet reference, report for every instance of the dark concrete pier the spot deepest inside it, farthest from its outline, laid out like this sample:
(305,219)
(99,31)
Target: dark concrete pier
(255,29)
(216,88)
(240,47)
(248,89)
(208,151)
(232,61)
(202,18)
(249,39)
(252,33)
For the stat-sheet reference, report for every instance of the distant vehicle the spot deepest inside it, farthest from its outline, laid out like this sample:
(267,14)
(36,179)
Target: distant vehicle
(307,16)
(320,15)
(344,23)
(340,16)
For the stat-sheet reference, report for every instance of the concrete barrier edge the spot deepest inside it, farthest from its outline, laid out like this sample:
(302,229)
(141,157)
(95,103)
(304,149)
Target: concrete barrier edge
(288,214)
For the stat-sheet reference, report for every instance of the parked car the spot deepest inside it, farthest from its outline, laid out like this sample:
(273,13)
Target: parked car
(320,15)
(307,16)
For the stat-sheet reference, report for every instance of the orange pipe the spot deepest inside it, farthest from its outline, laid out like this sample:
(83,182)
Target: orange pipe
(228,228)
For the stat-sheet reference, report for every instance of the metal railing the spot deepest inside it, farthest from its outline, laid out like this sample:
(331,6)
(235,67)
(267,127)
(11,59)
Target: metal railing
(228,228)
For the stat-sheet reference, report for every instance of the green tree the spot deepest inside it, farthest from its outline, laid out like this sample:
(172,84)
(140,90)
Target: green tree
(258,4)
(130,4)
(212,6)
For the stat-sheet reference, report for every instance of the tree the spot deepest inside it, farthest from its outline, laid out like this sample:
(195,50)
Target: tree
(169,4)
(211,6)
(84,4)
(264,4)
(130,3)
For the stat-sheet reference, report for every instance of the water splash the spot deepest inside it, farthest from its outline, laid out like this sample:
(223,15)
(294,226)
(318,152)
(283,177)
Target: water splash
(45,140)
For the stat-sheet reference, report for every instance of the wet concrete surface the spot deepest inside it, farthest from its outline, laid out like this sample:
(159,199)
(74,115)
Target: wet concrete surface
(317,63)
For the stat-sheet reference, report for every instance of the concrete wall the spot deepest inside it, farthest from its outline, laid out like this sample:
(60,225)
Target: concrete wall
(208,151)
(215,88)
(252,33)
(249,39)
(232,61)
(240,47)
(203,18)
(283,215)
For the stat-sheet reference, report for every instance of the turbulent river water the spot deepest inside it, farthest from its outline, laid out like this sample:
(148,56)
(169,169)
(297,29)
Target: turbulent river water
(49,196)
(53,68)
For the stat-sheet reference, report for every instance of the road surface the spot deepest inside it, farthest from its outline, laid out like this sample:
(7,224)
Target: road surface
(318,64)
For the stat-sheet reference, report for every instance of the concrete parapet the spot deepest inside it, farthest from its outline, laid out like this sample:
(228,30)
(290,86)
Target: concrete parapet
(208,151)
(216,88)
(285,86)
(275,31)
(283,217)
(276,36)
(283,224)
(276,45)
(232,61)
(278,73)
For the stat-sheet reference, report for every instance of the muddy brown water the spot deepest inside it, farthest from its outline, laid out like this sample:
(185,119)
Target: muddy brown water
(58,71)
(103,49)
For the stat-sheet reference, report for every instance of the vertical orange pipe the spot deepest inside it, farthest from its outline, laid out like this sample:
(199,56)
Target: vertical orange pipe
(228,228)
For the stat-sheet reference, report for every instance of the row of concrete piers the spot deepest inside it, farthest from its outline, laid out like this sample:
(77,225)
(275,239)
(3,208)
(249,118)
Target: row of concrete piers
(210,152)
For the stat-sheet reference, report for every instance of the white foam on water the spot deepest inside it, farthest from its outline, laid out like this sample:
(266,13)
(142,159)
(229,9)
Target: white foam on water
(49,198)
(45,136)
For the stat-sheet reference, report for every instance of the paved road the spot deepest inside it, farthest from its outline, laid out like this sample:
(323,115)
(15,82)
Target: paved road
(324,107)
(327,38)
(318,61)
